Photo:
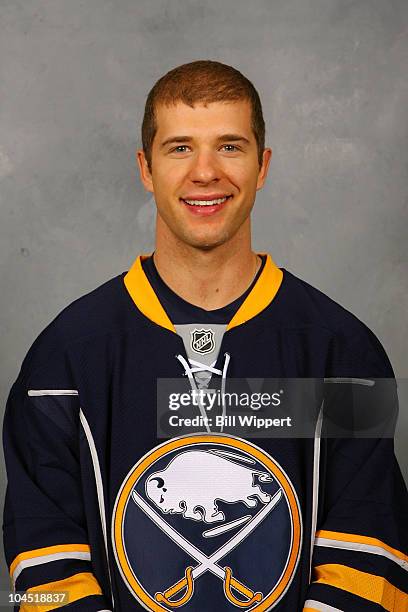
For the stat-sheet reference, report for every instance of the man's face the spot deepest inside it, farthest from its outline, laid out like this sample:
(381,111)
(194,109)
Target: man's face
(200,155)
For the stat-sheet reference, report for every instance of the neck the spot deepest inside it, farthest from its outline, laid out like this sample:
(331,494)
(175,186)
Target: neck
(209,278)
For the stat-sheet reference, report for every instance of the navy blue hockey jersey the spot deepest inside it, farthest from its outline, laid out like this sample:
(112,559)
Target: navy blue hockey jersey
(101,508)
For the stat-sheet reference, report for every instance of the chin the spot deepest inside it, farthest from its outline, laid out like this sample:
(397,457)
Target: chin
(207,243)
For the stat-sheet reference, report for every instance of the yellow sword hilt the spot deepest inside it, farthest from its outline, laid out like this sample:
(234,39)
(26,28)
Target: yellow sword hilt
(188,583)
(185,583)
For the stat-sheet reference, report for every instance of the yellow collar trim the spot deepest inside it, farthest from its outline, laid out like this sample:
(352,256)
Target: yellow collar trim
(262,294)
(144,297)
(146,300)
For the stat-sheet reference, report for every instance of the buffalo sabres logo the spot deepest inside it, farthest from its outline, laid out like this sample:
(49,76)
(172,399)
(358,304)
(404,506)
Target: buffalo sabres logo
(206,514)
(202,341)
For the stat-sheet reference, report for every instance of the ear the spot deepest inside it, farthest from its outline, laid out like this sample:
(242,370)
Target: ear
(145,175)
(263,172)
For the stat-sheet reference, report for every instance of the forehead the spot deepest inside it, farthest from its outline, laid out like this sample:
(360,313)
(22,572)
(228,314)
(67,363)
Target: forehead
(204,121)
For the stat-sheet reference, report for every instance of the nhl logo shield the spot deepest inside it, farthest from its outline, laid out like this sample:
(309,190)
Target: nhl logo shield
(202,341)
(207,522)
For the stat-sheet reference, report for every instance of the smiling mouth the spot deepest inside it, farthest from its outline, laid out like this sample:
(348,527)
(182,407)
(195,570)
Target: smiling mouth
(206,202)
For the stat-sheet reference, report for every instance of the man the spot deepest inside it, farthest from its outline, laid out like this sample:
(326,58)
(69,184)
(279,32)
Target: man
(103,509)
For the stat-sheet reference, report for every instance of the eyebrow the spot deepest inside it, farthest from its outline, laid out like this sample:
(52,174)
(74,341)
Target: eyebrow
(229,137)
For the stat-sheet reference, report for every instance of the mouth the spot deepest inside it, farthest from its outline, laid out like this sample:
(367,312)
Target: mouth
(202,206)
(201,202)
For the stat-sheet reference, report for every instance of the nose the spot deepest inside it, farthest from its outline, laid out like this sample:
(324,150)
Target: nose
(204,168)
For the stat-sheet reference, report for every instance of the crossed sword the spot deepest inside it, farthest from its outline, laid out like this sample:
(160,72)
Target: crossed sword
(207,563)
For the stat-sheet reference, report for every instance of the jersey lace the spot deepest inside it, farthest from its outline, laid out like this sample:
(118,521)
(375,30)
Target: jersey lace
(203,374)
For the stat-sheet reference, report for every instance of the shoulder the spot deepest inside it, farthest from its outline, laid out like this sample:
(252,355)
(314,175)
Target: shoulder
(306,307)
(98,312)
(309,305)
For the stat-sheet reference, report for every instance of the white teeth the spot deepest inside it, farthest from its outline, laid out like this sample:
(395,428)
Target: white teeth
(206,202)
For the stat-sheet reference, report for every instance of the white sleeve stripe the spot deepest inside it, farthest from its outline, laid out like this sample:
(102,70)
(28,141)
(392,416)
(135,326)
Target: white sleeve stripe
(99,486)
(321,607)
(356,381)
(39,392)
(315,486)
(84,556)
(366,548)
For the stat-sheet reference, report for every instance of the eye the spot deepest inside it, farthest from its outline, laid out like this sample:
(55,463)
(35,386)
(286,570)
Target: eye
(175,150)
(233,146)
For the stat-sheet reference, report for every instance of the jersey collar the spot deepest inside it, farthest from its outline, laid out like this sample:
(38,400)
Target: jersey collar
(146,300)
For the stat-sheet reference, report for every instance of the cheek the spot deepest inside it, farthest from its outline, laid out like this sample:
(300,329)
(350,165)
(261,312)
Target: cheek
(242,175)
(170,176)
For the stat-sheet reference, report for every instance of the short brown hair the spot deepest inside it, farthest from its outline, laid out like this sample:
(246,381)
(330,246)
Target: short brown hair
(202,81)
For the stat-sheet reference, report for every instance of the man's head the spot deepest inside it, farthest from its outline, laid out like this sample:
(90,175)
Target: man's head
(203,138)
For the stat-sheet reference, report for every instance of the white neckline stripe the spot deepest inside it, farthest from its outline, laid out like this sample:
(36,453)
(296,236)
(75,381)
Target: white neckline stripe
(39,392)
(84,556)
(359,547)
(321,607)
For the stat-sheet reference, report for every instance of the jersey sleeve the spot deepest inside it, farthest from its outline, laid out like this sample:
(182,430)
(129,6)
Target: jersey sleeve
(44,528)
(360,552)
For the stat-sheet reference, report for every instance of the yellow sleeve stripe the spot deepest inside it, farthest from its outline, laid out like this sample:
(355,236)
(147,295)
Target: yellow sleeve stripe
(77,586)
(368,586)
(360,539)
(41,555)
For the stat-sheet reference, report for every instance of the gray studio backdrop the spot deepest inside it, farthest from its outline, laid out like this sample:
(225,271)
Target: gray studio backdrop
(74,78)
